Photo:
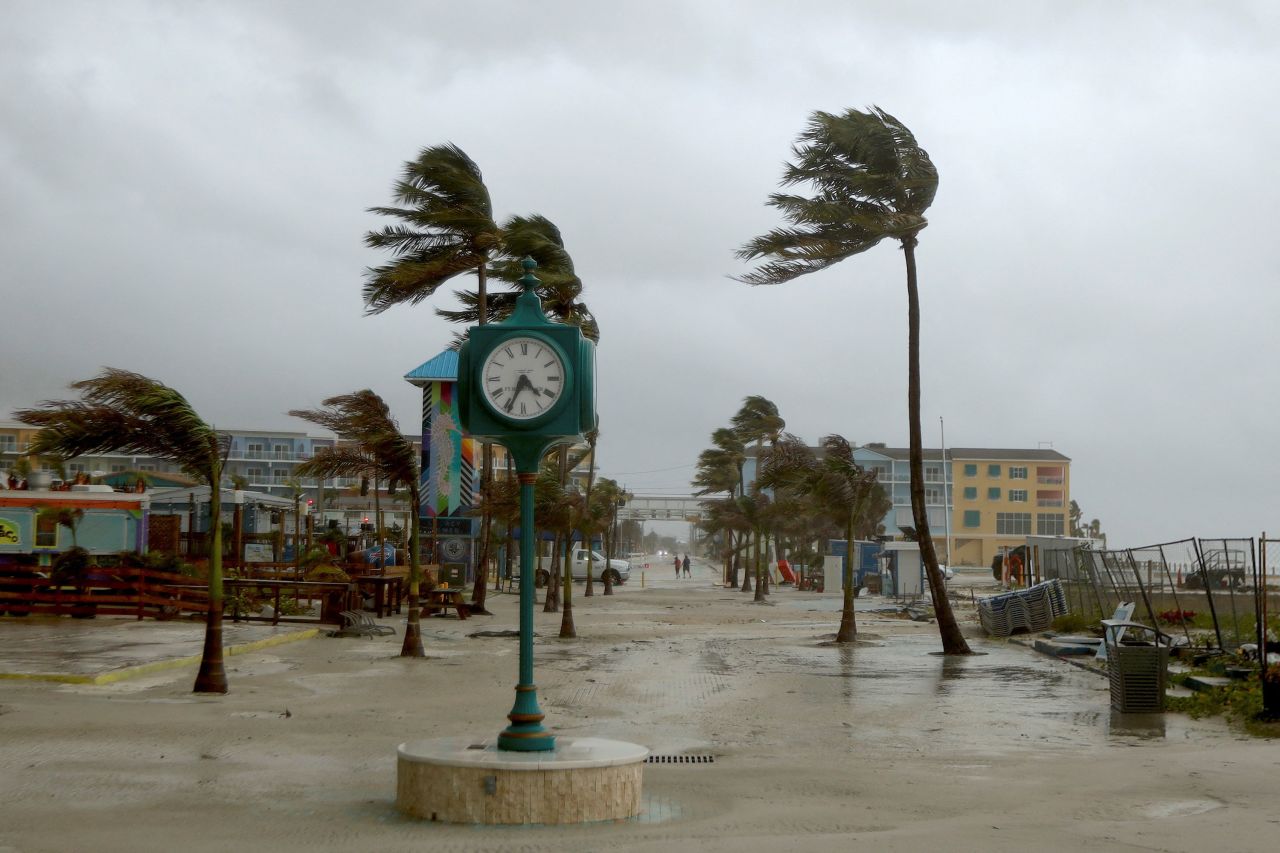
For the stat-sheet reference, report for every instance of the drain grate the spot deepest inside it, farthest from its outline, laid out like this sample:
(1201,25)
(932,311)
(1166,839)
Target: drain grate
(680,759)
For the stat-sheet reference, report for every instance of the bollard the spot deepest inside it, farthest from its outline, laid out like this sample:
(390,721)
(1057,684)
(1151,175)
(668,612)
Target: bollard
(642,580)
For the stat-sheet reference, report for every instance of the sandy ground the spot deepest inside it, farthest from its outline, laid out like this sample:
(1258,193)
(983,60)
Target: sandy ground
(881,746)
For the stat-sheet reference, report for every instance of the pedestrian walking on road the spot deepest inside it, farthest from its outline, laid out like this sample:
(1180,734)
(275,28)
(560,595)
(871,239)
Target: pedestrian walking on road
(686,565)
(677,567)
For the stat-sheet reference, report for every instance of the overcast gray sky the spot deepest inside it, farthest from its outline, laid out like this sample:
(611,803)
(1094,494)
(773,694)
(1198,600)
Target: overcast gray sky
(183,187)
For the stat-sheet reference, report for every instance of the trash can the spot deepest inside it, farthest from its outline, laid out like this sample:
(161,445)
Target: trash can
(1137,673)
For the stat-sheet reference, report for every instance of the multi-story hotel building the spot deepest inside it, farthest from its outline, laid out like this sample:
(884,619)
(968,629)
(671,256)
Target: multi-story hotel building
(978,500)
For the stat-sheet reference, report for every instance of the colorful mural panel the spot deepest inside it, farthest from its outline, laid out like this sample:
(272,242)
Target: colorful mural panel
(448,458)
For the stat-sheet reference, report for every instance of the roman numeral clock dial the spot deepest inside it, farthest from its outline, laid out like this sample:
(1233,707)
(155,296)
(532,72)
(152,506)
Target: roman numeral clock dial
(522,378)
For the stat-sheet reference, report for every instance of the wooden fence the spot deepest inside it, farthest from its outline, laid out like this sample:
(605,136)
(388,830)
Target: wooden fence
(119,591)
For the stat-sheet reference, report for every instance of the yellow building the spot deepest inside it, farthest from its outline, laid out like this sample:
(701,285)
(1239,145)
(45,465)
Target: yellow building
(1000,497)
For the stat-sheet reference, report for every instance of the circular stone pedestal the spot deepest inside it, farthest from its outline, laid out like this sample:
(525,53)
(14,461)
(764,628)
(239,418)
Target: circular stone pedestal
(459,780)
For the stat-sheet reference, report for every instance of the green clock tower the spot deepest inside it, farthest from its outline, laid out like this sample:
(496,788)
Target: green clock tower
(527,383)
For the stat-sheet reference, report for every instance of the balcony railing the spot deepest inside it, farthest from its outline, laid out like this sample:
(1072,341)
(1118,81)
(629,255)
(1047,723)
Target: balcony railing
(269,455)
(1049,481)
(1049,502)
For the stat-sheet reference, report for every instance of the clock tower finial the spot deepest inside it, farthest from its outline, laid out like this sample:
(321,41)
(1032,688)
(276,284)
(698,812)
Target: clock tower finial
(529,280)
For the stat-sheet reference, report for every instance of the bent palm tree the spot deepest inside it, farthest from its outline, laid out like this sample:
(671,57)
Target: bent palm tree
(758,420)
(446,229)
(871,181)
(126,412)
(847,494)
(379,449)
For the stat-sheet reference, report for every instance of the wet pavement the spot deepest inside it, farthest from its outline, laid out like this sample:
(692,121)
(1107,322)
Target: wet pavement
(35,646)
(881,745)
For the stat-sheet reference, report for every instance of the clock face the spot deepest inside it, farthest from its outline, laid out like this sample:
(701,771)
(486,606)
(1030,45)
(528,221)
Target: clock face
(453,548)
(523,378)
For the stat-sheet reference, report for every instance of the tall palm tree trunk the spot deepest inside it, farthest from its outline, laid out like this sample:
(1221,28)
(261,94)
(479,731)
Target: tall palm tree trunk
(566,610)
(848,625)
(551,604)
(212,675)
(412,647)
(953,642)
(759,567)
(586,509)
(479,590)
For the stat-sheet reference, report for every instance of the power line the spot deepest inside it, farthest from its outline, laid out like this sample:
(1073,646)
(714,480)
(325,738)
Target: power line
(651,471)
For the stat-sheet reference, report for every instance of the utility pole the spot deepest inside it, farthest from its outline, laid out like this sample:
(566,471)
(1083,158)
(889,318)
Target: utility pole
(946,489)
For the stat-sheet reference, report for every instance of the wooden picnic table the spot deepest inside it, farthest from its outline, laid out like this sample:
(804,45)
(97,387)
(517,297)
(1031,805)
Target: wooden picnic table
(388,590)
(438,601)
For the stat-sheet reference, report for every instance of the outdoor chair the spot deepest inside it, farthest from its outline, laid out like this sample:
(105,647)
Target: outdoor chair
(359,624)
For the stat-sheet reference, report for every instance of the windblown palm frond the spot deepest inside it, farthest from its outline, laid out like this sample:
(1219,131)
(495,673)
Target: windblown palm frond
(447,228)
(870,180)
(758,420)
(363,418)
(559,287)
(130,413)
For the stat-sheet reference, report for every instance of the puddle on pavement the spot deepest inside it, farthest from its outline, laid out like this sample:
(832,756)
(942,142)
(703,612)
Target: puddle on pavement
(1007,698)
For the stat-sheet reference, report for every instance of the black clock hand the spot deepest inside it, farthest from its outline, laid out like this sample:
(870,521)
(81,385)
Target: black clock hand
(520,383)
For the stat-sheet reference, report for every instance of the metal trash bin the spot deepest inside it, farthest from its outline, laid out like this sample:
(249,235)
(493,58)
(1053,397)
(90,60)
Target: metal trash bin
(1137,673)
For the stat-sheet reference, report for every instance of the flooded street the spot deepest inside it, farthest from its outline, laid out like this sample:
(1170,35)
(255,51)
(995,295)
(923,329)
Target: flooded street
(802,745)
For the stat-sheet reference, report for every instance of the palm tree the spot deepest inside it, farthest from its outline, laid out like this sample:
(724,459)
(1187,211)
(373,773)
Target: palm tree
(121,411)
(551,512)
(446,228)
(606,497)
(377,449)
(849,495)
(870,181)
(719,470)
(758,420)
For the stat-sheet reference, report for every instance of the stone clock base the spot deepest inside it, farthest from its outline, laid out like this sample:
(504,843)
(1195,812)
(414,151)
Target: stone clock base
(459,780)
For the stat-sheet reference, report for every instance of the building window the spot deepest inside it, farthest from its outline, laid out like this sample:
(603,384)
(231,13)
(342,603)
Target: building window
(1050,524)
(254,451)
(993,470)
(933,474)
(254,475)
(46,532)
(8,444)
(903,518)
(972,518)
(75,467)
(993,493)
(971,493)
(1048,498)
(116,469)
(933,496)
(146,467)
(971,470)
(881,472)
(279,477)
(1017,472)
(1013,523)
(282,451)
(1018,496)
